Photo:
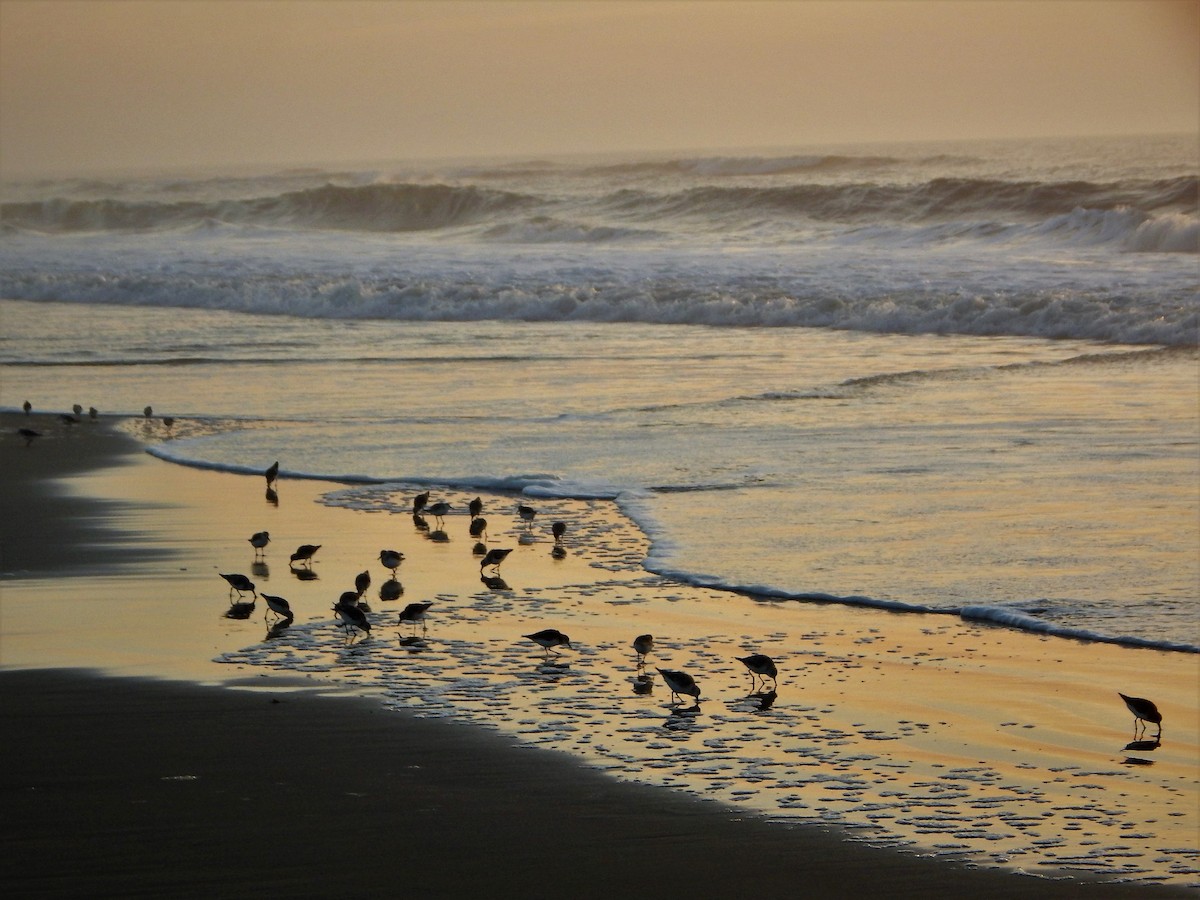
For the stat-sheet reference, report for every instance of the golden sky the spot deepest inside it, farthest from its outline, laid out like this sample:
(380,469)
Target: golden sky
(90,85)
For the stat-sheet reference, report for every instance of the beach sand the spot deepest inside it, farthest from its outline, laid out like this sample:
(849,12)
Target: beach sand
(306,764)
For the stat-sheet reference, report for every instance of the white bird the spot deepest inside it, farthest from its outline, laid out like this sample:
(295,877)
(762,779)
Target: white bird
(680,683)
(549,638)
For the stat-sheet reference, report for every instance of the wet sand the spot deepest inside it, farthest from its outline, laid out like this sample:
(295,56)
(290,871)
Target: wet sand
(262,775)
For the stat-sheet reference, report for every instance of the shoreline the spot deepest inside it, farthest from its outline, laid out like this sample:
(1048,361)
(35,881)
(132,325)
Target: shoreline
(639,831)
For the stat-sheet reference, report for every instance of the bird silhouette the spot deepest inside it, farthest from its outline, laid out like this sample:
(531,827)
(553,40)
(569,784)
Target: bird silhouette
(680,683)
(1143,711)
(548,639)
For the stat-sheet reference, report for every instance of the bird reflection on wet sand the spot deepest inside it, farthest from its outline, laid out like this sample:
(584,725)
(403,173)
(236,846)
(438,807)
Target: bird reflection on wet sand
(240,609)
(391,590)
(494,582)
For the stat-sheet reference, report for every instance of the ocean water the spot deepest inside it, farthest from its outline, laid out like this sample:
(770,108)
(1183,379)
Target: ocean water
(955,377)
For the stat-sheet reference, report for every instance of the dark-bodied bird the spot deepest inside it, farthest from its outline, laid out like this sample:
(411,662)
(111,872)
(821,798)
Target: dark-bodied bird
(477,527)
(304,553)
(362,581)
(527,514)
(148,412)
(279,606)
(29,434)
(493,558)
(239,583)
(475,507)
(27,406)
(760,667)
(272,473)
(414,613)
(77,409)
(643,644)
(93,412)
(680,683)
(259,541)
(419,502)
(168,421)
(438,510)
(352,617)
(549,638)
(558,529)
(391,559)
(1143,711)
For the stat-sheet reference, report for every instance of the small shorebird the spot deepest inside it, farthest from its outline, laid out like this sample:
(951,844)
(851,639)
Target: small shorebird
(168,421)
(1143,711)
(391,559)
(239,583)
(493,558)
(680,683)
(558,529)
(304,553)
(148,411)
(352,617)
(272,473)
(259,541)
(419,502)
(362,581)
(29,434)
(27,406)
(414,613)
(549,638)
(279,606)
(93,412)
(475,507)
(77,409)
(527,514)
(438,510)
(643,644)
(760,667)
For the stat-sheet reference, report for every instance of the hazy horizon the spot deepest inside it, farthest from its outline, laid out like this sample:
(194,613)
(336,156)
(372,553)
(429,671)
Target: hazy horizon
(110,85)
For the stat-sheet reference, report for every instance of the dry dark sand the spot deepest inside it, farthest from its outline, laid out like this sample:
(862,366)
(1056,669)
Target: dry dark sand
(138,787)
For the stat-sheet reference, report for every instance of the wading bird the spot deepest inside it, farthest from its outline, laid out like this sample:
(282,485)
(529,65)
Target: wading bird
(549,638)
(304,553)
(680,683)
(1143,711)
(279,606)
(259,541)
(761,667)
(643,644)
(391,559)
(239,583)
(493,558)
